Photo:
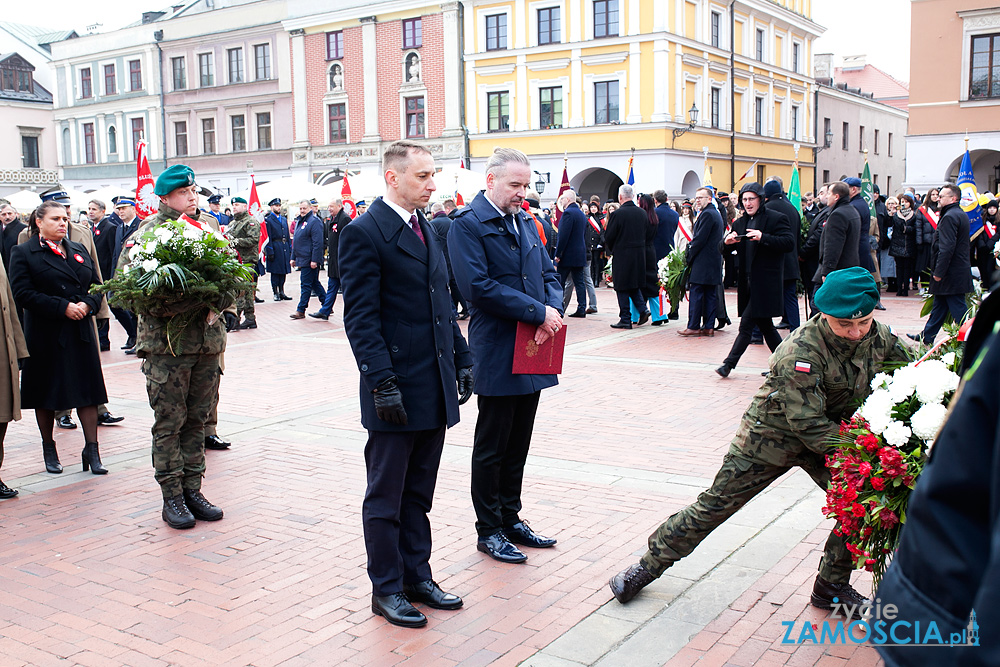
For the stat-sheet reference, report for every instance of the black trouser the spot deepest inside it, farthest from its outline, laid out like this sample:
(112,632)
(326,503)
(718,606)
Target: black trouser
(402,471)
(278,282)
(904,271)
(499,449)
(635,296)
(943,304)
(579,281)
(747,324)
(702,305)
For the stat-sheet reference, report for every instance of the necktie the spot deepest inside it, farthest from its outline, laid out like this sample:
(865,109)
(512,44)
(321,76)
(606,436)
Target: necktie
(512,223)
(415,226)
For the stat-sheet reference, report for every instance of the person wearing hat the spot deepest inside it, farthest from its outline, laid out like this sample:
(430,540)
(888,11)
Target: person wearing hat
(819,375)
(215,210)
(244,230)
(278,251)
(985,243)
(361,207)
(777,200)
(865,256)
(183,388)
(760,238)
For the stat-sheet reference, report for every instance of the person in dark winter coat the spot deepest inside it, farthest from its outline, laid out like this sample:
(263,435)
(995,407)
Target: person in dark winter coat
(927,219)
(903,243)
(777,200)
(705,259)
(761,238)
(571,250)
(334,227)
(651,288)
(664,240)
(625,239)
(307,254)
(278,251)
(864,214)
(809,252)
(837,249)
(983,246)
(952,276)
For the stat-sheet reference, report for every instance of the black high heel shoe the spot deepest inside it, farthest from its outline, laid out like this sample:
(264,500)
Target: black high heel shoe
(51,457)
(722,323)
(92,459)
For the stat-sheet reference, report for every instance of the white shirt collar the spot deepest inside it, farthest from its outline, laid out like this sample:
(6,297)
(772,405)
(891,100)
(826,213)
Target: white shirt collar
(495,207)
(400,211)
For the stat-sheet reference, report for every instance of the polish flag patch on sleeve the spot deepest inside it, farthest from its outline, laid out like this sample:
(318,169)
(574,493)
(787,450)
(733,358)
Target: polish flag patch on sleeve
(803,366)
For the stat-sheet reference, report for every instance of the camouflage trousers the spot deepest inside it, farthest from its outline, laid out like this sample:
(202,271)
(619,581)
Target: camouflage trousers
(181,390)
(245,304)
(737,482)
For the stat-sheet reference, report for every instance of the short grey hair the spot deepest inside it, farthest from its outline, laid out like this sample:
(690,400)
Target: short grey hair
(566,198)
(437,207)
(776,179)
(98,203)
(497,164)
(627,191)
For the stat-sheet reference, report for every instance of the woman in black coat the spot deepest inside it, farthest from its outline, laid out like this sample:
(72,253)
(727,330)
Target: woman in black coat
(651,288)
(903,242)
(51,278)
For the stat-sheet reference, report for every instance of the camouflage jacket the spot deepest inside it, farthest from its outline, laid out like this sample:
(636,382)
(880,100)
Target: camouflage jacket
(151,337)
(816,380)
(244,231)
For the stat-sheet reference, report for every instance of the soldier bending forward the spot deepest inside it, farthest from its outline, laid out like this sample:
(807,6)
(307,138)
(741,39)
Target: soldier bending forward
(819,375)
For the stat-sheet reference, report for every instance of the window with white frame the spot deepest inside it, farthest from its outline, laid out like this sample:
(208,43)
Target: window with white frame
(238,126)
(263,130)
(549,25)
(605,102)
(550,112)
(208,136)
(498,110)
(206,70)
(178,71)
(235,59)
(180,138)
(795,123)
(716,107)
(716,30)
(760,36)
(758,115)
(796,57)
(262,62)
(338,123)
(496,32)
(605,18)
(415,126)
(110,81)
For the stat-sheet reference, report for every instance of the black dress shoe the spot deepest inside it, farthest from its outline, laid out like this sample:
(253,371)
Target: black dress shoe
(249,324)
(724,370)
(277,297)
(849,600)
(498,547)
(656,323)
(673,316)
(879,306)
(65,422)
(257,300)
(106,418)
(627,583)
(916,337)
(592,310)
(6,491)
(130,351)
(397,610)
(578,313)
(643,318)
(200,507)
(130,343)
(319,316)
(621,325)
(215,442)
(176,513)
(430,594)
(521,533)
(105,347)
(781,325)
(756,341)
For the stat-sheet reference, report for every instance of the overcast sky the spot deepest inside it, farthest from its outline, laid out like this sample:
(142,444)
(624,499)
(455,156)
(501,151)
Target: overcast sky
(879,29)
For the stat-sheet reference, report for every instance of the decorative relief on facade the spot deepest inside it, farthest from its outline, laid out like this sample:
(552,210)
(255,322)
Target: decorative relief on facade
(29,176)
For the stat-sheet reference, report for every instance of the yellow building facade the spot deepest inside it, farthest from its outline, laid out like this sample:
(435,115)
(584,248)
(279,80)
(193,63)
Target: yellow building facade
(589,81)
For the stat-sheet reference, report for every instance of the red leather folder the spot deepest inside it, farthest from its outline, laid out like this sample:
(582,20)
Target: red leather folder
(531,358)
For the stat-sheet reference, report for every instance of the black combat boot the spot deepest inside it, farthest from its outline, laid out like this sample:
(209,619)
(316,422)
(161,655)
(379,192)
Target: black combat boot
(200,507)
(92,459)
(176,513)
(51,457)
(826,594)
(626,584)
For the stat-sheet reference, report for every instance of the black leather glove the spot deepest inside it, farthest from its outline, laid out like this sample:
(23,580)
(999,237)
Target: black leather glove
(231,321)
(464,384)
(389,402)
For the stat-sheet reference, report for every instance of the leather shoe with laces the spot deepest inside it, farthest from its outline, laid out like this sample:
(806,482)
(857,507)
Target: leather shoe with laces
(106,418)
(826,594)
(65,422)
(176,513)
(6,491)
(215,442)
(521,533)
(200,507)
(430,594)
(626,584)
(397,610)
(643,318)
(498,547)
(578,313)
(621,325)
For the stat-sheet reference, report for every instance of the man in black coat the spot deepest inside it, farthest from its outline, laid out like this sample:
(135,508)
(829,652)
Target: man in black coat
(777,200)
(571,251)
(625,238)
(809,252)
(334,226)
(12,226)
(410,351)
(705,260)
(105,232)
(864,214)
(837,247)
(952,276)
(440,224)
(278,251)
(663,242)
(761,238)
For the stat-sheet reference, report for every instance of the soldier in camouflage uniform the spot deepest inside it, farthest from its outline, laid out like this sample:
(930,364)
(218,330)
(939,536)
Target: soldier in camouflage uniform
(182,382)
(244,231)
(818,376)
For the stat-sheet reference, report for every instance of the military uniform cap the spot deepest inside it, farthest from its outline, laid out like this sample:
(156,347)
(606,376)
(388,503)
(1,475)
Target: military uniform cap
(123,201)
(361,203)
(215,199)
(56,194)
(239,200)
(275,202)
(177,176)
(847,294)
(313,201)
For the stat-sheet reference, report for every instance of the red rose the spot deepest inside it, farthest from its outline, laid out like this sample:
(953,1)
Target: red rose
(878,483)
(858,510)
(865,469)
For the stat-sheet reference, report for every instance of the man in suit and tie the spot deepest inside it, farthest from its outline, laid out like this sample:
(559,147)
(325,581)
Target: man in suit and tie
(398,318)
(705,260)
(504,272)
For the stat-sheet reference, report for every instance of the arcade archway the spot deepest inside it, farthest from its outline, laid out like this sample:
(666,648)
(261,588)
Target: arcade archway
(596,181)
(985,169)
(690,184)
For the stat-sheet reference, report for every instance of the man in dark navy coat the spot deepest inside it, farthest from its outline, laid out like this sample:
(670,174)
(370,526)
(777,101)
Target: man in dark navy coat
(571,250)
(278,251)
(705,260)
(398,318)
(307,253)
(505,274)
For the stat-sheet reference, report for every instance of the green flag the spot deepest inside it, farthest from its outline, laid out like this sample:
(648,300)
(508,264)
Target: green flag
(794,194)
(866,187)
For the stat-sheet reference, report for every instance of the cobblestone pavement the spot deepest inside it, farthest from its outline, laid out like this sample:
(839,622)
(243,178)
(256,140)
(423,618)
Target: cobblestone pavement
(92,576)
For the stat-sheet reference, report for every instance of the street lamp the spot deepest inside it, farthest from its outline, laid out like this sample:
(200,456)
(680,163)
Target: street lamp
(542,180)
(827,142)
(693,115)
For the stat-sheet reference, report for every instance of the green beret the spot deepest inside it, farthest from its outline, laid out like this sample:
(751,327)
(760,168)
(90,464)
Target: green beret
(847,294)
(177,176)
(239,200)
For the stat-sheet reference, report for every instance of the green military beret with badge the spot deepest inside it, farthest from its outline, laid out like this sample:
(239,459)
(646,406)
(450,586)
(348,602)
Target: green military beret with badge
(239,200)
(177,176)
(847,294)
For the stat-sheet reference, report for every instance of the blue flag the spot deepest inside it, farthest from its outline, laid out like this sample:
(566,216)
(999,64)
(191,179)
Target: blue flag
(970,198)
(631,177)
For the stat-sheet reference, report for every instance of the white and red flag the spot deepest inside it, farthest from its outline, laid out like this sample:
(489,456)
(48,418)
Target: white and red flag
(257,213)
(146,201)
(348,201)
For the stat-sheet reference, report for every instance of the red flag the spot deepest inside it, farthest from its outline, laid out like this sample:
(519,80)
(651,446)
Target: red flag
(348,201)
(461,165)
(257,211)
(146,201)
(196,223)
(563,187)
